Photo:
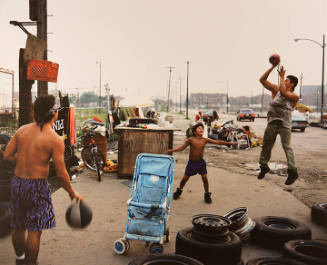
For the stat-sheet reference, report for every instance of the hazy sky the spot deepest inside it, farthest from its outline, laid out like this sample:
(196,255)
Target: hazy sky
(137,39)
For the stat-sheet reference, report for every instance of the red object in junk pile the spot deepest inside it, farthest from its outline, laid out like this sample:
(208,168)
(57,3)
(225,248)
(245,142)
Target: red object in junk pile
(42,70)
(96,119)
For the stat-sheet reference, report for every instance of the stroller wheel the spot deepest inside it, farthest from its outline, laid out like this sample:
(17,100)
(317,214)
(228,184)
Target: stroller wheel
(155,248)
(120,246)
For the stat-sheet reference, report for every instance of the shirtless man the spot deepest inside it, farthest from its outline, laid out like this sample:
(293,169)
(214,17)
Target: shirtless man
(31,148)
(196,163)
(279,121)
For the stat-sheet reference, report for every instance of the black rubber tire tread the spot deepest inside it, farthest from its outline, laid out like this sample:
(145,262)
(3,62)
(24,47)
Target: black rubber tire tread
(179,259)
(83,155)
(319,214)
(4,219)
(209,253)
(278,236)
(290,251)
(273,260)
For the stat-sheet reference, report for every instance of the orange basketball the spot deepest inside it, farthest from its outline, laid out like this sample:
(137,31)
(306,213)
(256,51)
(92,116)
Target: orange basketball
(274,59)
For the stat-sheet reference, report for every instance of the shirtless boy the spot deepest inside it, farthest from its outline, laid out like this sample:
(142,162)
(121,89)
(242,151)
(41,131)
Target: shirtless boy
(31,148)
(196,163)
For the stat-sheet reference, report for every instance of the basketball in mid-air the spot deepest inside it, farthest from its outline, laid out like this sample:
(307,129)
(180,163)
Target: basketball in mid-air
(78,215)
(274,59)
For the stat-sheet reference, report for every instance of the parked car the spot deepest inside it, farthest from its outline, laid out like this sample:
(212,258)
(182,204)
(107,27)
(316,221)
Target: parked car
(245,114)
(299,121)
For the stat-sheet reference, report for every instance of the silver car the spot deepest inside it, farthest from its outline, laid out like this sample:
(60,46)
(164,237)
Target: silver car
(299,121)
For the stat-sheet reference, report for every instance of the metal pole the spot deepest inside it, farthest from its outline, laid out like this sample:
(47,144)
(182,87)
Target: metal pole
(301,77)
(227,96)
(187,72)
(322,79)
(170,67)
(262,95)
(12,96)
(180,94)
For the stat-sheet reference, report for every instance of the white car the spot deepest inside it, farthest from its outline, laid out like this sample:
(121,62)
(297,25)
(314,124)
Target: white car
(299,121)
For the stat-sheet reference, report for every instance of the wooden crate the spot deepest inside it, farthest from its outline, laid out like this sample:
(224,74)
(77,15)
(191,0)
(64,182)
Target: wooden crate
(133,141)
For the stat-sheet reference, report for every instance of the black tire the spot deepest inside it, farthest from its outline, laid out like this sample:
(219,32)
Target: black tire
(88,160)
(279,230)
(4,219)
(302,130)
(310,252)
(274,261)
(209,253)
(319,214)
(167,259)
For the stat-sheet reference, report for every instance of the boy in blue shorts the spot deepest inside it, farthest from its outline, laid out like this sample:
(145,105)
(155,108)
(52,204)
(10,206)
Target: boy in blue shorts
(196,163)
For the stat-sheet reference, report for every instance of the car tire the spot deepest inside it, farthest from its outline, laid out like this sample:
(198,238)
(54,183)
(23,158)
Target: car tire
(302,130)
(166,259)
(4,219)
(228,252)
(273,260)
(319,214)
(311,252)
(279,230)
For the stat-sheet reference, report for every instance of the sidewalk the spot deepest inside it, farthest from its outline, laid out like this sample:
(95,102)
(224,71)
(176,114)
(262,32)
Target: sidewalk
(94,245)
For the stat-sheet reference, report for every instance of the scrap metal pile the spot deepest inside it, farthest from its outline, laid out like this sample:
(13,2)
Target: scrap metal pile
(230,132)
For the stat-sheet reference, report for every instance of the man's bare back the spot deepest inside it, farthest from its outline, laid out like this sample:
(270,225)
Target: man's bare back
(34,150)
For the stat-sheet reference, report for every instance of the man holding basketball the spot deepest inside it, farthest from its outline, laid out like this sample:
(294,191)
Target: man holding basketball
(279,119)
(31,149)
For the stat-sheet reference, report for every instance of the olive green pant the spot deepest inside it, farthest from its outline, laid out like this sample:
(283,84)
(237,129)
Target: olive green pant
(273,129)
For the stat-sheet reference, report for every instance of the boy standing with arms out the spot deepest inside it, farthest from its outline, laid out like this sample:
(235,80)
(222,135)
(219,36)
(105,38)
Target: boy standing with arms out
(196,163)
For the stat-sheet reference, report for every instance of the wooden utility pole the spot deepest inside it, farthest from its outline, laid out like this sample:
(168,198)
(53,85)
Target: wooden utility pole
(38,13)
(187,72)
(170,70)
(42,33)
(25,93)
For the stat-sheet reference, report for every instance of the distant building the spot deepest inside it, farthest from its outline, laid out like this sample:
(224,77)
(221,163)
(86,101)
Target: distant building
(311,96)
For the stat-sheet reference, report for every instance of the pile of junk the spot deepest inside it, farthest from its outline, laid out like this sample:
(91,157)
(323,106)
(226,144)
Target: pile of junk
(230,132)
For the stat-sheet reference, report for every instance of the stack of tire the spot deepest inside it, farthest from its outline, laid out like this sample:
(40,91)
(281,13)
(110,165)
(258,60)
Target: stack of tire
(6,172)
(292,238)
(319,214)
(210,241)
(164,259)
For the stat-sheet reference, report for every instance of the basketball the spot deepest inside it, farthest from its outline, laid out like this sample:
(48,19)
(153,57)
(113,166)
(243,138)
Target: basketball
(274,59)
(78,215)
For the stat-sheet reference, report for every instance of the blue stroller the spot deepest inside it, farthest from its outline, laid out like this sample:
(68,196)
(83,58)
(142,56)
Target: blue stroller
(149,204)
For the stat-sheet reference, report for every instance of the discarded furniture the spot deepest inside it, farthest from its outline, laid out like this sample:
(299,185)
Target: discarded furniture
(133,141)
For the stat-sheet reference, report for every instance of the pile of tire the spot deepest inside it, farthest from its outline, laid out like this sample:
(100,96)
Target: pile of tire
(273,232)
(242,224)
(210,241)
(319,214)
(164,259)
(273,261)
(310,252)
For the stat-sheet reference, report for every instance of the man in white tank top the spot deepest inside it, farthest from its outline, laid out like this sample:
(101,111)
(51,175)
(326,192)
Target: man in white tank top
(279,121)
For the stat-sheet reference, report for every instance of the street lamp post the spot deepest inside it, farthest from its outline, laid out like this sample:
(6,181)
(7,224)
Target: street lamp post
(323,45)
(99,62)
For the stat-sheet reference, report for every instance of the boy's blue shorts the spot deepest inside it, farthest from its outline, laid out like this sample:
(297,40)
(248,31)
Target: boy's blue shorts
(31,205)
(197,167)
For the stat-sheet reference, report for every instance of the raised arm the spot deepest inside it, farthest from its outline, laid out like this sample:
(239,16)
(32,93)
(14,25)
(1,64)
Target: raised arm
(59,163)
(286,93)
(180,148)
(270,86)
